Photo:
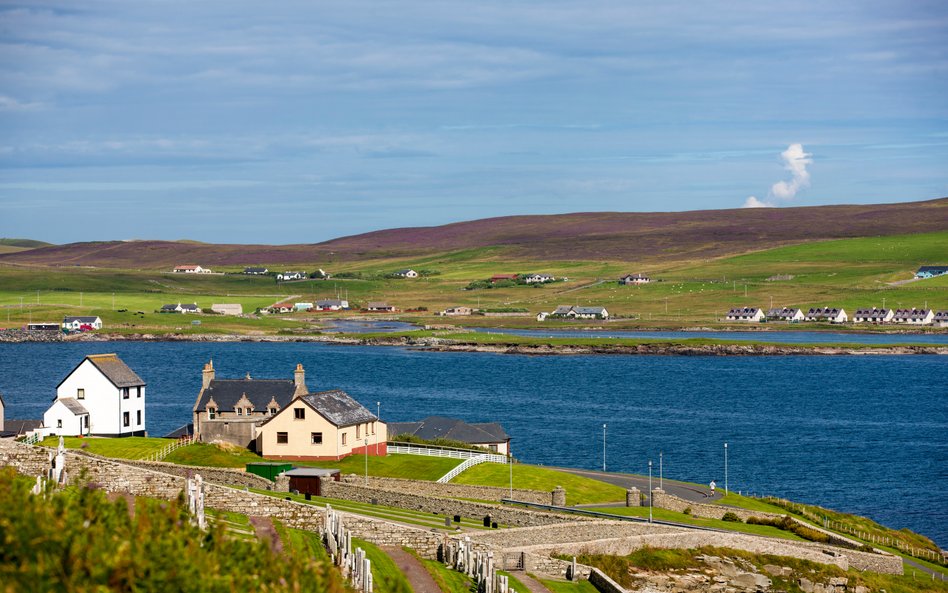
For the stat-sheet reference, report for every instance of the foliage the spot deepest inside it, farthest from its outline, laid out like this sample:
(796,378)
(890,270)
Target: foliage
(731,517)
(787,524)
(386,576)
(410,438)
(76,540)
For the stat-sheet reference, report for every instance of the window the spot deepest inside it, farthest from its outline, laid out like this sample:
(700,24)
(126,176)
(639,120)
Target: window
(80,394)
(59,423)
(282,438)
(125,393)
(358,430)
(373,428)
(139,418)
(299,413)
(86,421)
(211,413)
(138,391)
(125,418)
(316,438)
(344,438)
(240,411)
(273,411)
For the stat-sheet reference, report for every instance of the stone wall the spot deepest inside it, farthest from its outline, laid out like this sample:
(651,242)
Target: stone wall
(682,538)
(22,335)
(458,490)
(443,506)
(564,533)
(602,582)
(217,475)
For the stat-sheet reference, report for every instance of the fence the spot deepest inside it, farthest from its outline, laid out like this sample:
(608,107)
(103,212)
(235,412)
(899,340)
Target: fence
(410,449)
(462,467)
(866,536)
(165,451)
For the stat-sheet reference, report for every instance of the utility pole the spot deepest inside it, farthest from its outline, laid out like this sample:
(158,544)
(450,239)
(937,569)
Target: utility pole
(603,447)
(650,491)
(378,418)
(660,471)
(725,469)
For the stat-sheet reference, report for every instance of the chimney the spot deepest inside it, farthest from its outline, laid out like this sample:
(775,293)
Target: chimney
(299,378)
(208,375)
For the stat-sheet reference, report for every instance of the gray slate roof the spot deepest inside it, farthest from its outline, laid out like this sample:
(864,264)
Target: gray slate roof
(227,392)
(439,427)
(21,426)
(81,319)
(329,303)
(114,369)
(933,269)
(338,407)
(310,472)
(590,310)
(73,405)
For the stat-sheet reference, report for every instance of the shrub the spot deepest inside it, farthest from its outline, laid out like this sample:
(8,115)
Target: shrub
(731,517)
(687,511)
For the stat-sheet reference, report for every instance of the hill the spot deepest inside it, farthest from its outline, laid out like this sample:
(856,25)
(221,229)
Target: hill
(24,243)
(657,237)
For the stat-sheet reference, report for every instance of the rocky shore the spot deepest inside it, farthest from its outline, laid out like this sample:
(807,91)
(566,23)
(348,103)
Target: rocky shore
(436,344)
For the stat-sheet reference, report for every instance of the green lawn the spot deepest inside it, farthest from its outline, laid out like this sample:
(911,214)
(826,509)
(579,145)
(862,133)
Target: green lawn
(386,576)
(733,499)
(579,489)
(667,515)
(414,467)
(449,581)
(558,586)
(208,455)
(121,448)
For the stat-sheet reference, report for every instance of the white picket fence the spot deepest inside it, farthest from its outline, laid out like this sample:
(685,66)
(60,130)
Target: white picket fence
(165,451)
(467,464)
(409,449)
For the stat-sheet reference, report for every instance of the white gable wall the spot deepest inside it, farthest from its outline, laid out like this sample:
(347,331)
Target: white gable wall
(58,414)
(104,401)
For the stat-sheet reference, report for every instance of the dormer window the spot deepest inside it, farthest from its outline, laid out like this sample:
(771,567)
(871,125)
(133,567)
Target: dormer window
(211,413)
(239,411)
(299,413)
(273,411)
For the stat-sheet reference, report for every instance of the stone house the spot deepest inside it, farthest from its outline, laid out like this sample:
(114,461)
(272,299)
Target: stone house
(332,304)
(101,396)
(231,410)
(328,425)
(538,278)
(745,314)
(455,311)
(256,271)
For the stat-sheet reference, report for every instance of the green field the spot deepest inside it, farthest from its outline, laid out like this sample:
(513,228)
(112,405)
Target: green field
(579,489)
(124,448)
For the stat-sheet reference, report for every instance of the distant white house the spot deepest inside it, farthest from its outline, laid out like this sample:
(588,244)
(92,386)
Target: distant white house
(228,308)
(256,271)
(191,269)
(291,276)
(538,278)
(406,273)
(572,312)
(541,316)
(282,308)
(332,304)
(455,311)
(80,322)
(302,306)
(380,307)
(180,308)
(101,396)
(940,318)
(634,279)
(785,314)
(827,314)
(873,315)
(913,316)
(745,314)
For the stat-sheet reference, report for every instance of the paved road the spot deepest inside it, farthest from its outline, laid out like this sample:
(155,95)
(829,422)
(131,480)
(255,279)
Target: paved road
(683,490)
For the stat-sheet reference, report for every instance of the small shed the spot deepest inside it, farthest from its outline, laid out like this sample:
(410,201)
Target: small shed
(305,480)
(268,469)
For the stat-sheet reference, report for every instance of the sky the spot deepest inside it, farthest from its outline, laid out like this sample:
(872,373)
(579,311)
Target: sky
(297,122)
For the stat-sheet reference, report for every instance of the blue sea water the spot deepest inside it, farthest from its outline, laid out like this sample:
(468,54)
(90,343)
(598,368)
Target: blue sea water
(862,434)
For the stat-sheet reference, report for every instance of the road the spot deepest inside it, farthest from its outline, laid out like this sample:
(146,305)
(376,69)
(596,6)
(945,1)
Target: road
(690,492)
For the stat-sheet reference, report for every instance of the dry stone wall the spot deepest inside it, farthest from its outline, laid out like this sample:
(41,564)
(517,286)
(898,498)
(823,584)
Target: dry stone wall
(218,475)
(442,506)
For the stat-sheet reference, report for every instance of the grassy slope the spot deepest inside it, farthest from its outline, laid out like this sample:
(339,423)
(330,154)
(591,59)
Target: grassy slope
(666,515)
(386,576)
(412,467)
(124,448)
(579,490)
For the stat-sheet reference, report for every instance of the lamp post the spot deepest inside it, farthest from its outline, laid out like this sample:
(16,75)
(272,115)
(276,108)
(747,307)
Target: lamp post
(660,471)
(725,469)
(366,462)
(603,447)
(378,418)
(510,463)
(650,491)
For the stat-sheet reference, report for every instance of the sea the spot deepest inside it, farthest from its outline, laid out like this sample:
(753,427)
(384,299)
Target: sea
(865,434)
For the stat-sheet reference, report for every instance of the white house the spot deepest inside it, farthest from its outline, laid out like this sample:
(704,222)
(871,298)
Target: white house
(191,269)
(591,313)
(407,273)
(379,306)
(77,323)
(291,276)
(302,306)
(745,314)
(332,304)
(454,311)
(914,316)
(830,314)
(940,318)
(256,271)
(541,316)
(785,314)
(873,315)
(227,308)
(538,278)
(634,279)
(101,396)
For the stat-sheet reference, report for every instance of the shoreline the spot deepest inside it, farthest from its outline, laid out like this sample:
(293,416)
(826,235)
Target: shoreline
(515,346)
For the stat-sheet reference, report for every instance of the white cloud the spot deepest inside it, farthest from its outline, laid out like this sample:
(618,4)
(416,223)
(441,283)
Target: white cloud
(11,104)
(753,202)
(795,160)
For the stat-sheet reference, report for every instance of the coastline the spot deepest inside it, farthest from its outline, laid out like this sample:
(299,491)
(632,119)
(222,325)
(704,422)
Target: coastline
(521,346)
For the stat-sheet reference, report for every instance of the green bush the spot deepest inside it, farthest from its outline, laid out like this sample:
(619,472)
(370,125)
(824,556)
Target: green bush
(731,517)
(77,540)
(687,511)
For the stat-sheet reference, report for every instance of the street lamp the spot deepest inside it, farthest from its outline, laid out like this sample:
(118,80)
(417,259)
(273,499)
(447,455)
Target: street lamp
(650,491)
(378,418)
(366,462)
(603,447)
(725,470)
(510,463)
(661,484)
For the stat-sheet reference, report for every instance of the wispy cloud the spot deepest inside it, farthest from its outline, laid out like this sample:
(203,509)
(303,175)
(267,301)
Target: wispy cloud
(795,161)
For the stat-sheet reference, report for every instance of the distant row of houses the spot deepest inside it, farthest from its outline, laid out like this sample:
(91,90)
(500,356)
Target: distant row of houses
(218,308)
(575,312)
(838,315)
(321,305)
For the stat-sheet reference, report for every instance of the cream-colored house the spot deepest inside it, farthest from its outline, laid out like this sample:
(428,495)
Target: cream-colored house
(325,425)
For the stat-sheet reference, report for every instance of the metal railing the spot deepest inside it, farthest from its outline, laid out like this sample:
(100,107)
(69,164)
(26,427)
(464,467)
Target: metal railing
(409,449)
(469,463)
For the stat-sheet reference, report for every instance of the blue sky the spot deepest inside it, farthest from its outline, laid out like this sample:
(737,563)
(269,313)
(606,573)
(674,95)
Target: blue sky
(292,122)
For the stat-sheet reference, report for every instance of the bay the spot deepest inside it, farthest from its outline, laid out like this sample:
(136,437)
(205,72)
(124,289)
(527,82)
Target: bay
(861,434)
